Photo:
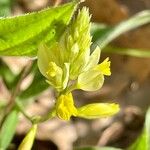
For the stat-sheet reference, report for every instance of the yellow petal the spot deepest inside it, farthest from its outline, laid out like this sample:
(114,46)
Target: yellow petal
(65,107)
(52,69)
(104,67)
(90,80)
(97,110)
(94,59)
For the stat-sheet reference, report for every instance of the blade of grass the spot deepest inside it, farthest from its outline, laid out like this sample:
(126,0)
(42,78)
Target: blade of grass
(103,36)
(127,51)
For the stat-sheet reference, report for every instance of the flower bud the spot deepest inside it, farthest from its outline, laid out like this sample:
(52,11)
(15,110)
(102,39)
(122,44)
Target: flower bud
(97,110)
(27,142)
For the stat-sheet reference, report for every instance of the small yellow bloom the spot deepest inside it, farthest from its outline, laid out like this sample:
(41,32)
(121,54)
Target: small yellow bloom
(97,110)
(65,107)
(104,67)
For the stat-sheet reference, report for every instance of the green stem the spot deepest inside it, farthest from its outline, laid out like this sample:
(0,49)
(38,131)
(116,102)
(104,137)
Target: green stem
(36,119)
(21,109)
(40,119)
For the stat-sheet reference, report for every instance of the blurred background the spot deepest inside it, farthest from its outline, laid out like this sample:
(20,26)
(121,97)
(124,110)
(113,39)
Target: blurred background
(129,84)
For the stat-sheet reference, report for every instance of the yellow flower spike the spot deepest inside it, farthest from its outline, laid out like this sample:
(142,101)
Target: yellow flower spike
(79,43)
(97,110)
(104,67)
(65,107)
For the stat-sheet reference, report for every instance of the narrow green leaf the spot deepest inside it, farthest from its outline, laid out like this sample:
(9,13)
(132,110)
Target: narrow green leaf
(107,34)
(143,141)
(127,51)
(8,129)
(21,35)
(96,148)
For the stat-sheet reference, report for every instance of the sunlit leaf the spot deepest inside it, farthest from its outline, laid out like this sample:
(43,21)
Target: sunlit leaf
(21,35)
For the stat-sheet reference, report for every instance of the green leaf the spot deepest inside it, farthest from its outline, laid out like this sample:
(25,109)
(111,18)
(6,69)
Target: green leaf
(127,51)
(96,148)
(8,129)
(103,35)
(21,35)
(143,141)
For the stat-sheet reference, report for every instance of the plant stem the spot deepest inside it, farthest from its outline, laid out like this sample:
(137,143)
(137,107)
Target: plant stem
(17,89)
(40,119)
(35,119)
(15,92)
(21,109)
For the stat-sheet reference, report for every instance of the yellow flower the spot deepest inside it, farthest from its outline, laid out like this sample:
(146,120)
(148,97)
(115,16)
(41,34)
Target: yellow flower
(57,75)
(74,44)
(53,70)
(68,60)
(92,78)
(65,107)
(104,67)
(97,110)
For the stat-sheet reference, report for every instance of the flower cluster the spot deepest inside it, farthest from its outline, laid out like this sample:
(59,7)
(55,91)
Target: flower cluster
(69,65)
